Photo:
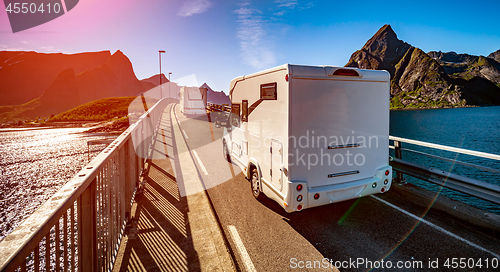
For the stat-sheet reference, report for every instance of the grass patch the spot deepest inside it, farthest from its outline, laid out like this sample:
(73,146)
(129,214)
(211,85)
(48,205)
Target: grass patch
(481,61)
(435,83)
(396,103)
(450,92)
(100,110)
(19,112)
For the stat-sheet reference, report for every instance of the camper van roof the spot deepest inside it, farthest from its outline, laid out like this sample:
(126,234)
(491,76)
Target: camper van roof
(318,72)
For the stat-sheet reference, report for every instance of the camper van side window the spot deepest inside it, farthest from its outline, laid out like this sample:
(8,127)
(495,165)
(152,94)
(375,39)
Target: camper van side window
(268,91)
(244,111)
(235,115)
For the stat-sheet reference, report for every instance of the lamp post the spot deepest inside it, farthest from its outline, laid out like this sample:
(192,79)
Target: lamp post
(169,94)
(161,88)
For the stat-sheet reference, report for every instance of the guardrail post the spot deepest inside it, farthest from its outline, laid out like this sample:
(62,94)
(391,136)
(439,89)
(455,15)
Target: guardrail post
(397,152)
(87,233)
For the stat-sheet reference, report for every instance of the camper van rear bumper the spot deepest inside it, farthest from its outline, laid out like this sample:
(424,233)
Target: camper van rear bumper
(380,183)
(323,195)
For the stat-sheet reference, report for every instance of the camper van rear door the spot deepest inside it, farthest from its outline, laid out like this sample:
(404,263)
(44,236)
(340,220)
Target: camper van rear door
(276,162)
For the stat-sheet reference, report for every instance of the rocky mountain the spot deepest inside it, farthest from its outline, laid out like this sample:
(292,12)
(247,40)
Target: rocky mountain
(495,55)
(468,66)
(155,80)
(452,57)
(25,76)
(216,97)
(115,77)
(72,87)
(434,80)
(61,95)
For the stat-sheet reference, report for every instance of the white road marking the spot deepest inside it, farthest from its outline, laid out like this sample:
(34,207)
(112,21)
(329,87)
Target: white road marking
(436,227)
(200,163)
(185,135)
(241,248)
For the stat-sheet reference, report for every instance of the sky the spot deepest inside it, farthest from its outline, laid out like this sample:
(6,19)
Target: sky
(211,41)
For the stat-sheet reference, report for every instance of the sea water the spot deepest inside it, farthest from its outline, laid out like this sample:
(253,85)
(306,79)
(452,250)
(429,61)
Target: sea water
(468,128)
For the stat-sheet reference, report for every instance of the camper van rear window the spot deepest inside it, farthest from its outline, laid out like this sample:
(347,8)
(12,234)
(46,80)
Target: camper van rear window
(268,91)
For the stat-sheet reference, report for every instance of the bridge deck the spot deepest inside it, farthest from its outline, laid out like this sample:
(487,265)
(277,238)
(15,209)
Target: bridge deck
(172,231)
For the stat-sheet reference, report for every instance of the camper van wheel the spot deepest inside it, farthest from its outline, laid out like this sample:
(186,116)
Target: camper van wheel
(226,152)
(255,183)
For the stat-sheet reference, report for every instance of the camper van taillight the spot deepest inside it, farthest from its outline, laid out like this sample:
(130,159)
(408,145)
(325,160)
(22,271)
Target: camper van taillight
(387,172)
(316,196)
(286,77)
(299,187)
(299,207)
(345,72)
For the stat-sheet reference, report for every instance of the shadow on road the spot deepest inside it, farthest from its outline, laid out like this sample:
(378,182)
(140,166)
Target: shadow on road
(160,236)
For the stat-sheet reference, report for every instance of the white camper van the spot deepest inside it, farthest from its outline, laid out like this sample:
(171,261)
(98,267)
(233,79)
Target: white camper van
(307,136)
(193,100)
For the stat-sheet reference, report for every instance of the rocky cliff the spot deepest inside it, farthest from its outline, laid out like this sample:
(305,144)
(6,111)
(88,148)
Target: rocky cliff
(495,55)
(155,80)
(115,77)
(72,87)
(434,80)
(25,76)
(469,66)
(61,95)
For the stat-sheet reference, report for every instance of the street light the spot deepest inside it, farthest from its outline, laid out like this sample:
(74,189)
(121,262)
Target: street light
(169,94)
(161,88)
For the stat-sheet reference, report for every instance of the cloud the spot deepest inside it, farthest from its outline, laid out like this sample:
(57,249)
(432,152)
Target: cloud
(308,5)
(52,49)
(254,48)
(4,47)
(285,5)
(48,48)
(194,7)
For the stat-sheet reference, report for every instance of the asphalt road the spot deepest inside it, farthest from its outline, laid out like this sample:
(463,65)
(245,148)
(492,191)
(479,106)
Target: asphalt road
(371,233)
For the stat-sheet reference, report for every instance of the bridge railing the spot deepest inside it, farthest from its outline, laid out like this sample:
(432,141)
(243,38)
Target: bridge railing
(80,227)
(467,185)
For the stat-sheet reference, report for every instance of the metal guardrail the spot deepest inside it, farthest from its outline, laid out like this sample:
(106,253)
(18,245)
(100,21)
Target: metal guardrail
(97,142)
(473,187)
(80,227)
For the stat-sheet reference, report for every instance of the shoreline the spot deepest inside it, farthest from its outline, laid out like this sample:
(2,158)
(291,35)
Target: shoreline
(442,108)
(113,126)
